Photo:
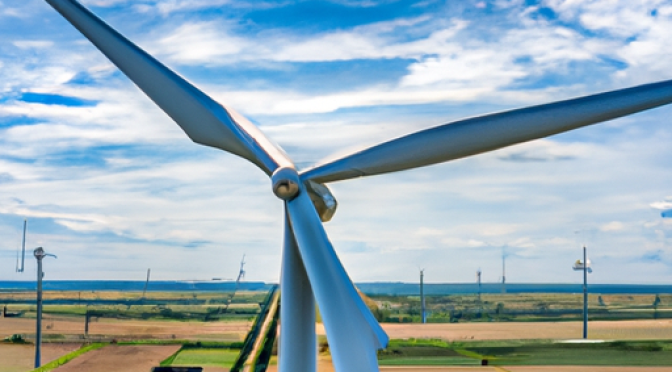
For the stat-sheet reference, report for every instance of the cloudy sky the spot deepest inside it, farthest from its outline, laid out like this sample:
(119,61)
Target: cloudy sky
(112,186)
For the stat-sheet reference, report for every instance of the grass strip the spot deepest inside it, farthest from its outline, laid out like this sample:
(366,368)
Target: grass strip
(68,357)
(222,358)
(187,344)
(430,361)
(168,361)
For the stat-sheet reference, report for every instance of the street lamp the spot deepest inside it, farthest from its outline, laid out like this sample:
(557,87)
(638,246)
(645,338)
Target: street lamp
(39,255)
(585,267)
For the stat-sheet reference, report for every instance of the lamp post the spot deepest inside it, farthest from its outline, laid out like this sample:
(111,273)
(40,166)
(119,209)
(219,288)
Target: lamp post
(585,267)
(39,255)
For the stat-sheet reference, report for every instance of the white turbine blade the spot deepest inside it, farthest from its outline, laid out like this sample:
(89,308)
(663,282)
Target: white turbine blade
(486,133)
(298,342)
(204,120)
(354,334)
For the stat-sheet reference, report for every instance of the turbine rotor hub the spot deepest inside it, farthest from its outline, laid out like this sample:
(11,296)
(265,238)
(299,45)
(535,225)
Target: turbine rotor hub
(285,183)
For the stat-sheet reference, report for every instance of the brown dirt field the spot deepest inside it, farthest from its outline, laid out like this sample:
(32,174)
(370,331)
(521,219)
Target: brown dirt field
(21,358)
(602,330)
(115,358)
(130,329)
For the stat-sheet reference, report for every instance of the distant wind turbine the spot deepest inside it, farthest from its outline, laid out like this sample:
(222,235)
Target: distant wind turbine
(23,249)
(503,270)
(241,274)
(311,269)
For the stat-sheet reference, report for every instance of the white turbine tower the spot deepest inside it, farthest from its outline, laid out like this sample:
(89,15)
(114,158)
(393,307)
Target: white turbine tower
(311,269)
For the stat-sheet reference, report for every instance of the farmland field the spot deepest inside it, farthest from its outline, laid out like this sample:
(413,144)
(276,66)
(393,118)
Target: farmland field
(222,358)
(129,329)
(515,339)
(116,358)
(21,358)
(606,330)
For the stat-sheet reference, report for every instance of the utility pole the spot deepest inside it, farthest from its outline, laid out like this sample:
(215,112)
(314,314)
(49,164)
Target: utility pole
(39,255)
(422,296)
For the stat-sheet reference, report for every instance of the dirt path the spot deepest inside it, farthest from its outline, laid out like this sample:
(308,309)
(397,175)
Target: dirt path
(114,358)
(21,358)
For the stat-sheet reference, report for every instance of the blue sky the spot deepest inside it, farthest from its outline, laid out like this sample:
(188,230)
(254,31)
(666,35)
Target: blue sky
(112,186)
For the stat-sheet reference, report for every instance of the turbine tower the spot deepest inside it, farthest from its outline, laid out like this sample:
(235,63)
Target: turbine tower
(241,273)
(144,289)
(311,269)
(478,280)
(503,271)
(19,269)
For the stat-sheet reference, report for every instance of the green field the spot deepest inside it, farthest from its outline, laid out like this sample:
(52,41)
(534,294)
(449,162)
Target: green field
(600,354)
(519,307)
(206,357)
(437,352)
(428,361)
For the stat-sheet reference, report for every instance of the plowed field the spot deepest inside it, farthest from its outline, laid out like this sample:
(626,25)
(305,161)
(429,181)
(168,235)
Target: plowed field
(21,358)
(115,358)
(130,329)
(601,330)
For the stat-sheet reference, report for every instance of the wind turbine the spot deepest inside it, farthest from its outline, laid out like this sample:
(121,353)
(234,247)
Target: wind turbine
(19,269)
(311,269)
(503,269)
(241,273)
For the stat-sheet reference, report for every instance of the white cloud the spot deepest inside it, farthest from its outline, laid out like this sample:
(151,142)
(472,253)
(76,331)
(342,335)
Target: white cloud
(662,205)
(27,44)
(612,226)
(196,43)
(120,180)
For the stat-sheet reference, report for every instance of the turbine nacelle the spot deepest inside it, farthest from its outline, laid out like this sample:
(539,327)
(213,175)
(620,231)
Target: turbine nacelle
(287,185)
(285,182)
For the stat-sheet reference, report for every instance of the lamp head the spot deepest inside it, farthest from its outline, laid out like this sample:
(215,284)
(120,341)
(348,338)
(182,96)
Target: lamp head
(39,253)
